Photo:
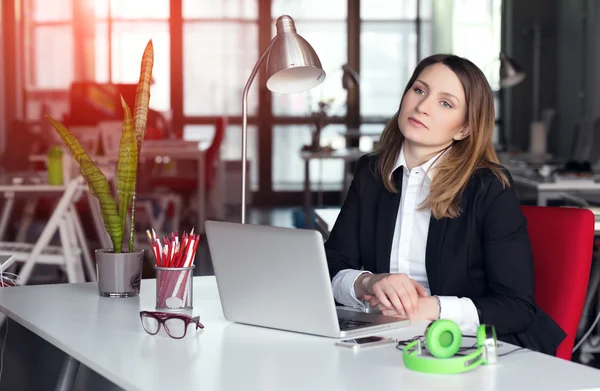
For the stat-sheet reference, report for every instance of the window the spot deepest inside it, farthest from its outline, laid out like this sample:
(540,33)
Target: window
(218,59)
(139,9)
(388,57)
(55,11)
(210,9)
(323,25)
(325,174)
(101,59)
(382,10)
(388,51)
(288,166)
(128,42)
(133,24)
(220,48)
(477,36)
(50,57)
(53,54)
(103,40)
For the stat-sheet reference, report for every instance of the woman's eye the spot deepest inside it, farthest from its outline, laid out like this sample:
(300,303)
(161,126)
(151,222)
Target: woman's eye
(446,104)
(419,91)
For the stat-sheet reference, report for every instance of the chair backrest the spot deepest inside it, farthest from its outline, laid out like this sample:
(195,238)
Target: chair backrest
(562,241)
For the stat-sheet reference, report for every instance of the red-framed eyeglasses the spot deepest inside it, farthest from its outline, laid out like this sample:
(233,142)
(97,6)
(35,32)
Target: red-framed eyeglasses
(175,324)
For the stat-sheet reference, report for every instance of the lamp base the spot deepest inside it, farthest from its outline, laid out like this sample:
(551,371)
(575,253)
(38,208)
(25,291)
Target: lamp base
(537,138)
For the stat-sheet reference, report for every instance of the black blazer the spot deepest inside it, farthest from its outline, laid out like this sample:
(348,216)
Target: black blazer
(484,254)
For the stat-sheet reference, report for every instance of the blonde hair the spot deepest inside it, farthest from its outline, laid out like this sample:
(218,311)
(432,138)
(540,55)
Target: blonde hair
(457,164)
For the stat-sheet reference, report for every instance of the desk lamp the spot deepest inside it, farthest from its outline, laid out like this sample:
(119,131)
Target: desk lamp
(292,67)
(511,73)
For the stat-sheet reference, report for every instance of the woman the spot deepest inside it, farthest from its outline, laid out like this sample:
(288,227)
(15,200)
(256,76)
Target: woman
(432,220)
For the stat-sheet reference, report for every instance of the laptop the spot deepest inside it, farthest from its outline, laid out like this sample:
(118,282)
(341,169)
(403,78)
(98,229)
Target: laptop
(278,278)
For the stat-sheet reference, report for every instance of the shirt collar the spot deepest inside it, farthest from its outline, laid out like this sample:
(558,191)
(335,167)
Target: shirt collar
(427,166)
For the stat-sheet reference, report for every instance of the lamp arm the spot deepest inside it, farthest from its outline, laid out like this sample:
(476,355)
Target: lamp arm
(245,123)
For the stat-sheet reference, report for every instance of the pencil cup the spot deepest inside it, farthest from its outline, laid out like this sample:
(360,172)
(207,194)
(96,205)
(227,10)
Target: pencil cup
(174,288)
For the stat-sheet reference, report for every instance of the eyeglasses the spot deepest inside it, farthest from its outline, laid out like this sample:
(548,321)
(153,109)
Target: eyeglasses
(175,324)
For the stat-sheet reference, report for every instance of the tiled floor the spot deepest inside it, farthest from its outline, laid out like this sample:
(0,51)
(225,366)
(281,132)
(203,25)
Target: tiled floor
(30,363)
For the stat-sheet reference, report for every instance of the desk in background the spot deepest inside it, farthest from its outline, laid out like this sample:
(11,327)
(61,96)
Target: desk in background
(106,335)
(548,189)
(347,155)
(176,150)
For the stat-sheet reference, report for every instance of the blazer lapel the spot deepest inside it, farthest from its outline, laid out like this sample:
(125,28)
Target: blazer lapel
(433,250)
(387,212)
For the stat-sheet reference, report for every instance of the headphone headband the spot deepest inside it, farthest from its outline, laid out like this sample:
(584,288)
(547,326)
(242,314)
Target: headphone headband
(443,338)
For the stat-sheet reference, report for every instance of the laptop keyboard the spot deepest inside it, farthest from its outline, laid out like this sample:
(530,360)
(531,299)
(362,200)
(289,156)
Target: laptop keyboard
(347,324)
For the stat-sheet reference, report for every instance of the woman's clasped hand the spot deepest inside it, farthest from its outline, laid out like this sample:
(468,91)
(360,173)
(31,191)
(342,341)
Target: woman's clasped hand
(396,295)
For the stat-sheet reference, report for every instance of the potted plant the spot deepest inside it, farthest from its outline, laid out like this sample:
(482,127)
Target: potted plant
(119,271)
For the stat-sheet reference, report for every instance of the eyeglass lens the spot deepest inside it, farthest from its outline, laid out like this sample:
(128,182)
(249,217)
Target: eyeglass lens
(175,327)
(150,324)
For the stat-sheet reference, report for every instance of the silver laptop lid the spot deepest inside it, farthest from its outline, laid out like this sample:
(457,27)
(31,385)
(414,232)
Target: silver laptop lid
(273,277)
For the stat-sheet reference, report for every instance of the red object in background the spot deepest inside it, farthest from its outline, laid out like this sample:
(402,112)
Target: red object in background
(155,133)
(562,240)
(6,282)
(189,182)
(213,151)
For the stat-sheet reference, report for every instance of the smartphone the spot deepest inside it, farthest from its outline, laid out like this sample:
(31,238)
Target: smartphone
(363,342)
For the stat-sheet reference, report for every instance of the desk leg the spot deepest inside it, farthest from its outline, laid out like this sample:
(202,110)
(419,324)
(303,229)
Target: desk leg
(307,196)
(26,220)
(542,198)
(6,211)
(201,194)
(68,374)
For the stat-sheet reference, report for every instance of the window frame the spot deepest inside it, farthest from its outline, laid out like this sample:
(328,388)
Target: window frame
(264,119)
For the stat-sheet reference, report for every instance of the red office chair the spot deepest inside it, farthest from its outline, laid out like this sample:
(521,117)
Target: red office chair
(562,240)
(185,180)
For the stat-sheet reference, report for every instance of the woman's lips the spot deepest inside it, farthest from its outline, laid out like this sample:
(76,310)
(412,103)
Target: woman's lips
(416,122)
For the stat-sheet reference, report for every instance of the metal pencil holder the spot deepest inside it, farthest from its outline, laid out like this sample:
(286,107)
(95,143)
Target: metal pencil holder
(174,288)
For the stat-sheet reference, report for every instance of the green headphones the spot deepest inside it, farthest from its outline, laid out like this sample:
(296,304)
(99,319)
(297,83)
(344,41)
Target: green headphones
(442,339)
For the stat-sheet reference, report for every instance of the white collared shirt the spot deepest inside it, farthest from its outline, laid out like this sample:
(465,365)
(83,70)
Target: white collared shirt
(408,248)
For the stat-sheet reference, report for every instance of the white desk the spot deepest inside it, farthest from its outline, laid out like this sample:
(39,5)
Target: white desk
(106,335)
(549,189)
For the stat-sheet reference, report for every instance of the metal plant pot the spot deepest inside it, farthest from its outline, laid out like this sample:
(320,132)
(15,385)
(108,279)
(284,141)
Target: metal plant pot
(119,275)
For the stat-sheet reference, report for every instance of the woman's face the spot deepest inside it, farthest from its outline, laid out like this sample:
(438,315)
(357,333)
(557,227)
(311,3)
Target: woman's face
(433,111)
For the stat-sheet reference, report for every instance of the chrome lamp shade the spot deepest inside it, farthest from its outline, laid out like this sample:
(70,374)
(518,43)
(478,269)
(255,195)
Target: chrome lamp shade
(292,66)
(511,73)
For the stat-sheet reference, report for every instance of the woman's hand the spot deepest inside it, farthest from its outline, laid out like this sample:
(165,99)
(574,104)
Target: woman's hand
(390,292)
(428,309)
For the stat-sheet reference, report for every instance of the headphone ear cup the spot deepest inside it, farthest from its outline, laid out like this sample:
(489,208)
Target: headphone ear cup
(443,338)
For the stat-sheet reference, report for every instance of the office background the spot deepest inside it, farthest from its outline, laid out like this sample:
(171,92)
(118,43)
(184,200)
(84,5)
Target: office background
(205,51)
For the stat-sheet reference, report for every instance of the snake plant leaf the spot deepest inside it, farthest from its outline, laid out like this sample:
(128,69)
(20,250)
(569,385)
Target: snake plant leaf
(140,116)
(127,164)
(97,183)
(142,95)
